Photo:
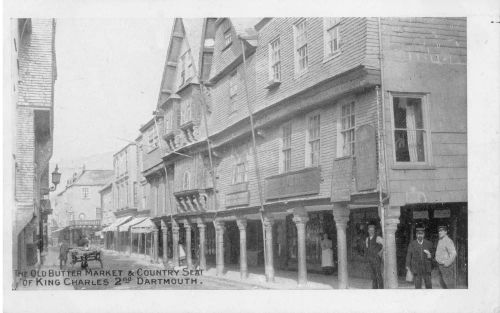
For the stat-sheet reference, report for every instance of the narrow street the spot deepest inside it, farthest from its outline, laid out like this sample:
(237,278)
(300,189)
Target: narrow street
(128,272)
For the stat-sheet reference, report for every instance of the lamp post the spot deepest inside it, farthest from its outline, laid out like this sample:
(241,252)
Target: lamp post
(56,178)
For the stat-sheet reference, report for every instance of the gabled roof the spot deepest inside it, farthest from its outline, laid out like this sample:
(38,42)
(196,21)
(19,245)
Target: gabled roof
(245,27)
(94,178)
(193,30)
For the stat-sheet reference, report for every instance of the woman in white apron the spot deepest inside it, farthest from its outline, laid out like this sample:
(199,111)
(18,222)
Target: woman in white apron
(326,255)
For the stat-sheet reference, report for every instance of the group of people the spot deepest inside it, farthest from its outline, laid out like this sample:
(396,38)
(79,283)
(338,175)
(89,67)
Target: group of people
(64,248)
(419,258)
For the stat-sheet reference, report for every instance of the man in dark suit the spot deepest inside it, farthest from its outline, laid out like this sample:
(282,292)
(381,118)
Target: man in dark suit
(419,258)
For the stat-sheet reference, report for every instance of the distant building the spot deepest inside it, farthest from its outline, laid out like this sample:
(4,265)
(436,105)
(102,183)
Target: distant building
(78,206)
(33,74)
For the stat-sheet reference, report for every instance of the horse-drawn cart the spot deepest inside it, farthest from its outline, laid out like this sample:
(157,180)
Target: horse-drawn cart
(83,256)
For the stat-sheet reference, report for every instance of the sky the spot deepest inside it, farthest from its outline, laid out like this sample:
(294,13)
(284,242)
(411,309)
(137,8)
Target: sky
(109,75)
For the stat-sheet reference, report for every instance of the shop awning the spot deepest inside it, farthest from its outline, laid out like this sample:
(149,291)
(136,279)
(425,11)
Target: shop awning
(145,226)
(58,230)
(132,222)
(115,224)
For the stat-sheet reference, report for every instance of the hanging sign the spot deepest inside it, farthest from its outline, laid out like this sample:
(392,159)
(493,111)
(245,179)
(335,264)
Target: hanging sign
(442,213)
(420,215)
(366,158)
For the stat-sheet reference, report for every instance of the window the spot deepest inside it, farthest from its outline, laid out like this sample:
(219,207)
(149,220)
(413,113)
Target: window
(410,135)
(300,40)
(347,124)
(152,139)
(186,111)
(332,36)
(228,39)
(186,66)
(85,192)
(313,140)
(81,216)
(136,200)
(98,213)
(274,60)
(186,185)
(168,121)
(239,173)
(286,148)
(233,91)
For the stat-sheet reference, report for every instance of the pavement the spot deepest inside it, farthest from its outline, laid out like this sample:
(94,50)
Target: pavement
(139,272)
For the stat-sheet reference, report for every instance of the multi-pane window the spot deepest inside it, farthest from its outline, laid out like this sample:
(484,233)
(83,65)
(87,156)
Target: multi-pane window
(98,213)
(186,181)
(314,139)
(233,91)
(168,121)
(85,193)
(152,138)
(286,147)
(186,111)
(239,173)
(185,67)
(409,129)
(332,36)
(227,37)
(301,54)
(347,127)
(275,60)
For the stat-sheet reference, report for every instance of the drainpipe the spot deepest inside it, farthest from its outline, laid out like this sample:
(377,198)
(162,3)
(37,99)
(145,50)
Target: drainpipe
(254,148)
(382,135)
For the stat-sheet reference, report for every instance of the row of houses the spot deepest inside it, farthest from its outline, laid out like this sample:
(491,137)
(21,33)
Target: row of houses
(31,87)
(270,132)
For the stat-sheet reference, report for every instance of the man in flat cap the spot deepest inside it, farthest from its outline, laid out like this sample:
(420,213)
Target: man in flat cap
(419,259)
(374,247)
(445,257)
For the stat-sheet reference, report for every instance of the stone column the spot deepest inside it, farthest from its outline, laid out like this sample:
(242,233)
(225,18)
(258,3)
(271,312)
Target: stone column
(139,241)
(391,221)
(70,237)
(175,242)
(189,257)
(242,226)
(164,233)
(268,245)
(155,245)
(131,241)
(203,242)
(341,217)
(117,240)
(301,218)
(219,246)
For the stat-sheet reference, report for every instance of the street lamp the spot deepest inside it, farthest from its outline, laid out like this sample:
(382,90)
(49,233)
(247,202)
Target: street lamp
(56,178)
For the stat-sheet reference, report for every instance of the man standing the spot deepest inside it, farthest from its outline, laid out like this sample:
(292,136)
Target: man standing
(418,259)
(373,251)
(63,254)
(445,257)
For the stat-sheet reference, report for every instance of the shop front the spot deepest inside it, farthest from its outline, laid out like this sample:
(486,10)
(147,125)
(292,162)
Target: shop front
(454,215)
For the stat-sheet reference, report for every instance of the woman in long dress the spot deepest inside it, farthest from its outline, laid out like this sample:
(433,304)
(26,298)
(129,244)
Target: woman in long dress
(326,255)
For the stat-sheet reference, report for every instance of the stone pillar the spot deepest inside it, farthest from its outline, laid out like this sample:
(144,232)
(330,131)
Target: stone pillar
(70,237)
(300,218)
(242,226)
(139,241)
(117,240)
(268,245)
(391,221)
(175,243)
(131,241)
(219,246)
(189,257)
(341,217)
(164,233)
(155,245)
(203,242)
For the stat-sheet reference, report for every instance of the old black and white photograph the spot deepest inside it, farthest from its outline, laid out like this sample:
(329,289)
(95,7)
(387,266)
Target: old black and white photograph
(239,153)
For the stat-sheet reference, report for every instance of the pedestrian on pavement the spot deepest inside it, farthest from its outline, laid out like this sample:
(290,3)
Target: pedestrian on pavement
(63,254)
(374,247)
(326,255)
(419,259)
(182,254)
(445,257)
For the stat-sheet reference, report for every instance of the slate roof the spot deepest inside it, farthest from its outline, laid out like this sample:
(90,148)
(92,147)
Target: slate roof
(94,178)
